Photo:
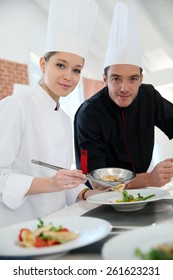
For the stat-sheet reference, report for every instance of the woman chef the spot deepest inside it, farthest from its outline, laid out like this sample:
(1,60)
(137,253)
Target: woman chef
(33,125)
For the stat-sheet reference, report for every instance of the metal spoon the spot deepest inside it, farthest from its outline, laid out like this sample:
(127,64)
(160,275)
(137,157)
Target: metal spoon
(88,176)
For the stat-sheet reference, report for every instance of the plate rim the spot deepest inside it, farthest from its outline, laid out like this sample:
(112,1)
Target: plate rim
(105,252)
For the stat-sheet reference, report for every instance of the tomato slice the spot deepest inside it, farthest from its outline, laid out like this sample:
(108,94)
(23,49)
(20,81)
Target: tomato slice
(39,242)
(64,229)
(52,242)
(21,232)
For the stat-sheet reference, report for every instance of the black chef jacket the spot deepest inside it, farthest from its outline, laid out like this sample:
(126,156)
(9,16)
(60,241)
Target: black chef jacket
(121,137)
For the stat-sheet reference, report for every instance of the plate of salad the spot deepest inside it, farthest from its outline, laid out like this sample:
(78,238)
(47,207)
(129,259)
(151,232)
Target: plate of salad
(51,236)
(153,242)
(129,200)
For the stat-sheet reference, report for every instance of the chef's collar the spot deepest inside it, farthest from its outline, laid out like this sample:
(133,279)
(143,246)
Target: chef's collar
(57,106)
(45,98)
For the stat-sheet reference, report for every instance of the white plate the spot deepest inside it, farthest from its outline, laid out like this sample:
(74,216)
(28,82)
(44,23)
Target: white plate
(109,198)
(89,229)
(122,247)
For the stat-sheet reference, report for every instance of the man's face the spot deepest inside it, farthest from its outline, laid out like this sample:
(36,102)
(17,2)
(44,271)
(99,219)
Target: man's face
(123,81)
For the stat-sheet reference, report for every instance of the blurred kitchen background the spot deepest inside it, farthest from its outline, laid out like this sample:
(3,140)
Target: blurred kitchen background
(22,39)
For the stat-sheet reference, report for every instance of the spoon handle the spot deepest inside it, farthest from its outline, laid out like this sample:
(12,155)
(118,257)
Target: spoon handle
(89,177)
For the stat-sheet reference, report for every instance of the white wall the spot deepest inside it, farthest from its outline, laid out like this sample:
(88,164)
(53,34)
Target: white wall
(165,145)
(22,29)
(163,148)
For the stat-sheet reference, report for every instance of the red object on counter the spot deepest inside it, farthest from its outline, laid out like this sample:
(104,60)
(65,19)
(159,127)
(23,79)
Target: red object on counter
(84,161)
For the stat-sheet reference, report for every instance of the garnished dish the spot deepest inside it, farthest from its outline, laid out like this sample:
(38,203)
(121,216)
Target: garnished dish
(88,230)
(45,235)
(161,252)
(130,198)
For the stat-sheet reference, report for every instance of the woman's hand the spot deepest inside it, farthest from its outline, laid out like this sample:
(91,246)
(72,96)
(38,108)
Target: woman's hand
(68,179)
(64,179)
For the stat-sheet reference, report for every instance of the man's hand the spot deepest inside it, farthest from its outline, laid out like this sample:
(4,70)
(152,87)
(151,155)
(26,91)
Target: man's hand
(161,174)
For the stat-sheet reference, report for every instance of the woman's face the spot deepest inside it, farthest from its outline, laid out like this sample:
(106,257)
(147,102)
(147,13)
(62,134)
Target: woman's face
(61,73)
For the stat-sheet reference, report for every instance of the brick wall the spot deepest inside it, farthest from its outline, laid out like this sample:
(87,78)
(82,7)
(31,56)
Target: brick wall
(90,87)
(15,73)
(11,73)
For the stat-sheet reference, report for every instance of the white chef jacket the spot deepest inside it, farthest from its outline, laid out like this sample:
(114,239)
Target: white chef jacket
(30,128)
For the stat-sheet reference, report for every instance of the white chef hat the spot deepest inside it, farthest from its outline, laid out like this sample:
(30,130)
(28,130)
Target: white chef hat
(70,25)
(124,43)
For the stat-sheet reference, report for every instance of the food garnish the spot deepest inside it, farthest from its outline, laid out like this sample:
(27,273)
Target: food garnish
(119,187)
(45,235)
(130,198)
(161,252)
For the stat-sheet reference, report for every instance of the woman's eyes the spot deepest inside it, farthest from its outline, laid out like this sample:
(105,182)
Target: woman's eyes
(62,66)
(59,65)
(77,71)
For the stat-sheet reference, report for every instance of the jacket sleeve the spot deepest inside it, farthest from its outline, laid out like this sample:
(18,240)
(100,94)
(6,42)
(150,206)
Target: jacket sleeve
(72,194)
(164,115)
(13,187)
(88,136)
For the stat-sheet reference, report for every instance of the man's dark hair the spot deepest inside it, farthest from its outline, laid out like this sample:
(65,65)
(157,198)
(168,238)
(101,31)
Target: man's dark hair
(107,68)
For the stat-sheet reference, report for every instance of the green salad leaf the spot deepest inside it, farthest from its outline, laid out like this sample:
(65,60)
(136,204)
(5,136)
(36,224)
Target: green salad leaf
(128,197)
(153,254)
(41,223)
